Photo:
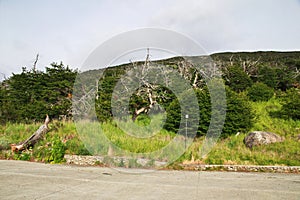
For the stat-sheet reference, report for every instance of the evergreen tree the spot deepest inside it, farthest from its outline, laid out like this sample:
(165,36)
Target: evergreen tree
(290,108)
(239,114)
(30,95)
(268,76)
(260,92)
(236,78)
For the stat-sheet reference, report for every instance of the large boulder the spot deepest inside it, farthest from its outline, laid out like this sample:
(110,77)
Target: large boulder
(257,138)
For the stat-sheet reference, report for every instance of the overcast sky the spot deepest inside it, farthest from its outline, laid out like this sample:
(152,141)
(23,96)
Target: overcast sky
(69,30)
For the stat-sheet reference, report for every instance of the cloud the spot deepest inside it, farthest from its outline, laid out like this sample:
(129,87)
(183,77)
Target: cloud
(68,31)
(209,23)
(235,25)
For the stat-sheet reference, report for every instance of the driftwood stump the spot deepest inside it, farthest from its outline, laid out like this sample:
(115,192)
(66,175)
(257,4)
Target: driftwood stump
(33,139)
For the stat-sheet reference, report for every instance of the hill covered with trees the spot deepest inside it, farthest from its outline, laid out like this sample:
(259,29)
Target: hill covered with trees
(262,93)
(249,77)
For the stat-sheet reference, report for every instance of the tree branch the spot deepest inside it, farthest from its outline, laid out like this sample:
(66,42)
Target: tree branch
(33,139)
(35,62)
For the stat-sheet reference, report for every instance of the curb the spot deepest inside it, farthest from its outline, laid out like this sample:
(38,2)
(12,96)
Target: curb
(242,168)
(144,163)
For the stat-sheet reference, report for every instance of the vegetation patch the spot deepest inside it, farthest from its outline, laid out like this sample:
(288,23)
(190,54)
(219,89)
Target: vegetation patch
(262,94)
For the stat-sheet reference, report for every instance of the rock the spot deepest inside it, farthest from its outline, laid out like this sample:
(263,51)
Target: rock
(257,138)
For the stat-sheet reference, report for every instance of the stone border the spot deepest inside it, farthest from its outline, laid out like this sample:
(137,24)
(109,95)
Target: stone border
(113,162)
(243,168)
(146,163)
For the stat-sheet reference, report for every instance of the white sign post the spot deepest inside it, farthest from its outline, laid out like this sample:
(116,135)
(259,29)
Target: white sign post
(186,118)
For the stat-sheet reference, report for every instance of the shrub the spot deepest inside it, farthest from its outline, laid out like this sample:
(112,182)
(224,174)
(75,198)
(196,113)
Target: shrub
(239,114)
(58,151)
(260,92)
(290,108)
(76,146)
(50,152)
(236,78)
(268,76)
(24,155)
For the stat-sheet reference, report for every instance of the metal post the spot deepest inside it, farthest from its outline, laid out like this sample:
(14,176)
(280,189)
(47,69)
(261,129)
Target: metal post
(186,118)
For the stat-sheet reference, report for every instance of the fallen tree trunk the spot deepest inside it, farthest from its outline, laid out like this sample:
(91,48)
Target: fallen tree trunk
(33,139)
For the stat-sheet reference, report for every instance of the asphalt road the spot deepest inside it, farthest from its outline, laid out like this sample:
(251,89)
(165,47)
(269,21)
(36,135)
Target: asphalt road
(26,180)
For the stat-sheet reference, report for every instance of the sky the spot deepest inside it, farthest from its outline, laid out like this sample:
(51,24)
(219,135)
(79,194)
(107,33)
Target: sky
(70,30)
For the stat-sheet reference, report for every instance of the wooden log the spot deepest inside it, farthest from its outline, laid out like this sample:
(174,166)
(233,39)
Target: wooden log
(33,139)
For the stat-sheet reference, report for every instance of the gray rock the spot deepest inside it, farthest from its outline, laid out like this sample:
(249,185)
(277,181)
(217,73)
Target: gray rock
(257,138)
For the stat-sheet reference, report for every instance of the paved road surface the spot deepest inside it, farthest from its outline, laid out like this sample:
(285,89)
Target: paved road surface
(25,180)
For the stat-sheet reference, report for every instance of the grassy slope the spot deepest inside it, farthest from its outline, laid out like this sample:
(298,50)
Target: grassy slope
(233,151)
(228,151)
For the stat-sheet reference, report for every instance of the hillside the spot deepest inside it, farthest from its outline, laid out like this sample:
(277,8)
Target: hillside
(262,93)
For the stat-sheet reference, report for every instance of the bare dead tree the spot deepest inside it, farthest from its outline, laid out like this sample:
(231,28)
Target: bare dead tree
(35,62)
(230,60)
(83,105)
(250,66)
(146,89)
(33,139)
(296,73)
(149,90)
(4,77)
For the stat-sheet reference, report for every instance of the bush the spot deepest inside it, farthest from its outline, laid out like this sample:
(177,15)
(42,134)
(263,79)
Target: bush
(173,116)
(76,146)
(51,152)
(237,79)
(205,111)
(239,114)
(268,76)
(290,108)
(260,92)
(58,151)
(28,96)
(24,155)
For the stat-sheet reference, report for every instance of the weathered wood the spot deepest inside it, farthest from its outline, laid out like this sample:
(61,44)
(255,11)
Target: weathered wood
(33,139)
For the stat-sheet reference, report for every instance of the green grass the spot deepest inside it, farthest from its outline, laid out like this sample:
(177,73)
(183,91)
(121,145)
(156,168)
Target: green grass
(287,128)
(108,139)
(74,143)
(134,144)
(233,151)
(63,138)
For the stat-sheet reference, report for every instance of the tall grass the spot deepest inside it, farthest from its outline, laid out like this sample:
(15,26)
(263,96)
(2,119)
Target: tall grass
(284,127)
(108,139)
(64,137)
(233,151)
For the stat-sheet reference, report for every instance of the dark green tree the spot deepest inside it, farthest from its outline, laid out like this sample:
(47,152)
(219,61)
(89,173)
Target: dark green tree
(106,87)
(30,95)
(284,78)
(239,114)
(173,116)
(260,92)
(236,78)
(268,76)
(290,108)
(57,92)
